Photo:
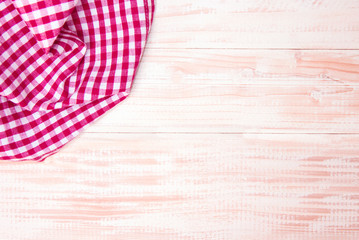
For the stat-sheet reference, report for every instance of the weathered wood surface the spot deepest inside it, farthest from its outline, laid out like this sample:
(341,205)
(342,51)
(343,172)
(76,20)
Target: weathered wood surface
(187,186)
(242,124)
(241,91)
(280,24)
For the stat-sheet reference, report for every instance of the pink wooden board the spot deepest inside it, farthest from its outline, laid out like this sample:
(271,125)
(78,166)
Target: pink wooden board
(187,186)
(243,124)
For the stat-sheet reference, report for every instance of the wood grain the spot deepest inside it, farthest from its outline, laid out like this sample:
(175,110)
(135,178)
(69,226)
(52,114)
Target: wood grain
(241,91)
(309,24)
(242,124)
(187,186)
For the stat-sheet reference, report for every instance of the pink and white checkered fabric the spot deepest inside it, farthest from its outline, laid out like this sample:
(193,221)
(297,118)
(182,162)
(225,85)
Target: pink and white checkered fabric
(63,64)
(45,18)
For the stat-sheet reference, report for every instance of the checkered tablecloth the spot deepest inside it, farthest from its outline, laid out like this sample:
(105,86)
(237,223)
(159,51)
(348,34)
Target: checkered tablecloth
(64,63)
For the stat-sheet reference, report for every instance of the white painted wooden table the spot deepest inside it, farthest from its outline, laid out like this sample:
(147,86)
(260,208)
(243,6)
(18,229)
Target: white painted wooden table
(243,123)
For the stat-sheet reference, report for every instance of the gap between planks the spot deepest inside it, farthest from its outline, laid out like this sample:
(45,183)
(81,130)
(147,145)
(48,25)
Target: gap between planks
(223,133)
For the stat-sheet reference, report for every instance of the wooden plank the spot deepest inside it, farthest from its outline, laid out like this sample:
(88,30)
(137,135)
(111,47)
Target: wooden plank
(241,91)
(238,67)
(186,186)
(308,24)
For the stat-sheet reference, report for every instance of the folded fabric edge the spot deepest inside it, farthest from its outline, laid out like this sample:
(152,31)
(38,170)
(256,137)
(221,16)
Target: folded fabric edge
(88,113)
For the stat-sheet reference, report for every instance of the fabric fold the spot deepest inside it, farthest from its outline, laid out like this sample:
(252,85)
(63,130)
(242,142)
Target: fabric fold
(31,77)
(48,95)
(45,18)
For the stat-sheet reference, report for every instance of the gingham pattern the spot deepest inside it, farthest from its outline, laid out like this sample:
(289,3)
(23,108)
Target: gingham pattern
(45,18)
(46,99)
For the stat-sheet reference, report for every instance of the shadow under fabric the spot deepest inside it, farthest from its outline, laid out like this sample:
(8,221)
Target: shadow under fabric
(64,63)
